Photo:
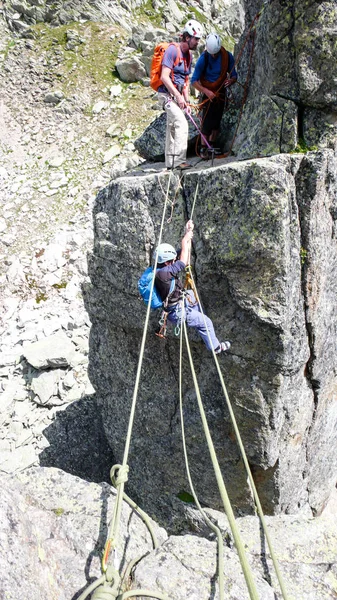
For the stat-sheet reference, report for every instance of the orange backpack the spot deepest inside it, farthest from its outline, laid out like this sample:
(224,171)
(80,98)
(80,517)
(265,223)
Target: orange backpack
(158,55)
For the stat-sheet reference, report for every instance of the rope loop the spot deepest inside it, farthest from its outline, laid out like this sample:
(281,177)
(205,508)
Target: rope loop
(104,593)
(119,474)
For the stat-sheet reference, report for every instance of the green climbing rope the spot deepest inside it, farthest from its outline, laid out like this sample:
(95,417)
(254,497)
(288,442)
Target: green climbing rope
(247,467)
(110,588)
(196,500)
(221,485)
(121,475)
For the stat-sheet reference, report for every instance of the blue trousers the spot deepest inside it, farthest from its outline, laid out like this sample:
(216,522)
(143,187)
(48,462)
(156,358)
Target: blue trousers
(195,318)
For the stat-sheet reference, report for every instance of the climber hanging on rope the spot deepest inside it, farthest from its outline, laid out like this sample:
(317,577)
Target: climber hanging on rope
(169,267)
(214,73)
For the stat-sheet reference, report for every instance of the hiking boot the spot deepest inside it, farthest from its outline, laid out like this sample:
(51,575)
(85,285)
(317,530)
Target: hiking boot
(204,153)
(183,166)
(222,347)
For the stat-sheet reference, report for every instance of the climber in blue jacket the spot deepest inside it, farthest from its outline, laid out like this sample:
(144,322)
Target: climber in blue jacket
(168,267)
(214,73)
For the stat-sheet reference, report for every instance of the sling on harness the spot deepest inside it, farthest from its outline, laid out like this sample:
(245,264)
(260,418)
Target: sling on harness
(216,85)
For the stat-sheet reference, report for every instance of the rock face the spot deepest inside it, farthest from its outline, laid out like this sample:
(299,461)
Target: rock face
(265,263)
(54,528)
(292,91)
(305,549)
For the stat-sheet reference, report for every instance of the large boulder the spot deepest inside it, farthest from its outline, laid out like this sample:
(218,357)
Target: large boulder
(130,69)
(265,262)
(292,92)
(305,549)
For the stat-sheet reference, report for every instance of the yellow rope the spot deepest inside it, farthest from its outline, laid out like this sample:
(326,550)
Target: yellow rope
(195,198)
(238,437)
(113,531)
(221,485)
(119,475)
(196,500)
(245,460)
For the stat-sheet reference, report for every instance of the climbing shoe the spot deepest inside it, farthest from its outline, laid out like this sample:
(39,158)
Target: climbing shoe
(222,347)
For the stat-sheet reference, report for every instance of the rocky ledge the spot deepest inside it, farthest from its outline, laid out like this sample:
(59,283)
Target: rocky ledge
(54,529)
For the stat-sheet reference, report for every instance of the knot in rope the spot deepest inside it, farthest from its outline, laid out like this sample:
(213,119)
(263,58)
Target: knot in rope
(109,589)
(119,474)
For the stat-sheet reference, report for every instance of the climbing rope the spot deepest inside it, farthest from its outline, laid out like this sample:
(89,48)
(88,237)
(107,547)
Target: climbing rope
(107,587)
(194,199)
(196,500)
(246,463)
(221,485)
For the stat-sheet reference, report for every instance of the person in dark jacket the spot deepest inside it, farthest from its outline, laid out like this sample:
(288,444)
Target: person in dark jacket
(169,267)
(214,73)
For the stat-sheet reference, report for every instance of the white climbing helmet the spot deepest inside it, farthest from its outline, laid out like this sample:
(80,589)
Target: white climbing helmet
(193,28)
(213,43)
(165,252)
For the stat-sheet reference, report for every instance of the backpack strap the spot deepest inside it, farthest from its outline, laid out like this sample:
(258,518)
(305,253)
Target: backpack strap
(178,60)
(172,288)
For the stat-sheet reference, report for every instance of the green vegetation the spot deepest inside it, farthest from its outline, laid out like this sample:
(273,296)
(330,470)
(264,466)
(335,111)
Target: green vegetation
(186,497)
(90,62)
(147,12)
(40,297)
(60,286)
(5,51)
(58,511)
(303,255)
(302,147)
(194,13)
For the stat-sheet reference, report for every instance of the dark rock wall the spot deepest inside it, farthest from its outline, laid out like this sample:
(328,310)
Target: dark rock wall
(292,93)
(265,264)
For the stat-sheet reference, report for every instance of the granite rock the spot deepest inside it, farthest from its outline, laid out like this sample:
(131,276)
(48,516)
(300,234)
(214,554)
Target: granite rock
(265,262)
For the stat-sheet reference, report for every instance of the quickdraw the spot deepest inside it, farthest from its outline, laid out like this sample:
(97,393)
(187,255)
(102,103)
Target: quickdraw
(161,333)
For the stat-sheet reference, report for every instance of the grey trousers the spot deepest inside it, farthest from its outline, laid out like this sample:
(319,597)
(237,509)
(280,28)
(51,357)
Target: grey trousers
(176,131)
